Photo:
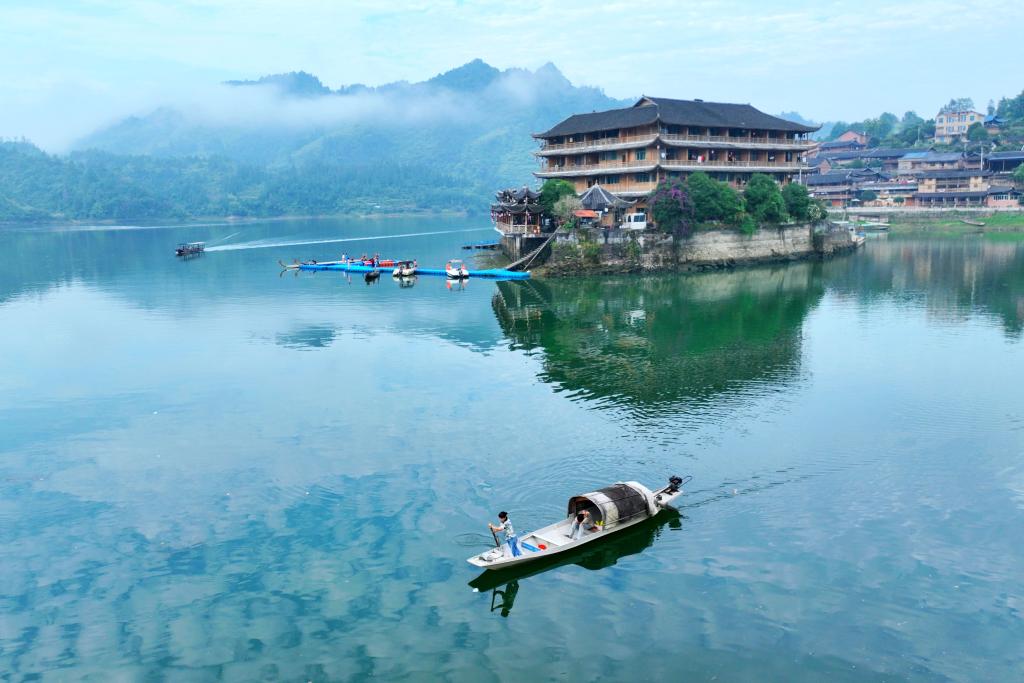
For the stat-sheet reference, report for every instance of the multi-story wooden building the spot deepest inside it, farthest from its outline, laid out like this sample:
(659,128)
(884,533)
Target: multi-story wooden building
(628,151)
(952,125)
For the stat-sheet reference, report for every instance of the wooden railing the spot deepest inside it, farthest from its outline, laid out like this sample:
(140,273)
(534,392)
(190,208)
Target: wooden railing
(673,137)
(649,165)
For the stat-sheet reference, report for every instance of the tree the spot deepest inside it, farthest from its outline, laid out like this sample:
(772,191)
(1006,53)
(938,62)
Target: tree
(867,195)
(713,200)
(671,208)
(958,104)
(1018,175)
(764,200)
(565,206)
(798,201)
(977,133)
(552,190)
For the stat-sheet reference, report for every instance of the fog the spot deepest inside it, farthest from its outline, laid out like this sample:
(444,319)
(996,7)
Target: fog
(59,117)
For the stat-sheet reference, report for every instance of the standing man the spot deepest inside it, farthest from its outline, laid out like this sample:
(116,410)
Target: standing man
(510,534)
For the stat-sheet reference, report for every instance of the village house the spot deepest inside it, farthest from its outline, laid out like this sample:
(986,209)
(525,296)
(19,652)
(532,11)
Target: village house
(629,151)
(962,188)
(913,162)
(1004,162)
(952,125)
(838,188)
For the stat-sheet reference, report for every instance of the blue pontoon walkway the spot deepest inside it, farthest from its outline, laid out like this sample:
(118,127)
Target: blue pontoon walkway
(493,273)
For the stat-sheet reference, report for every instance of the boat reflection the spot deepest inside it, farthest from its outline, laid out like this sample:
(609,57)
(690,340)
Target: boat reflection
(504,583)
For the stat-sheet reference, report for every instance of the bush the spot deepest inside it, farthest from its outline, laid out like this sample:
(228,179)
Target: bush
(764,200)
(633,250)
(565,206)
(671,208)
(867,195)
(798,201)
(713,200)
(591,252)
(747,225)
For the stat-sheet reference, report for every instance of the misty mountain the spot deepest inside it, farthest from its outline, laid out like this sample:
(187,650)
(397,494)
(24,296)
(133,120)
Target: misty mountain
(473,123)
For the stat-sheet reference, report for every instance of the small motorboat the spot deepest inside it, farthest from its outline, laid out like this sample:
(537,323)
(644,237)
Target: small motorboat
(610,509)
(404,269)
(456,270)
(190,248)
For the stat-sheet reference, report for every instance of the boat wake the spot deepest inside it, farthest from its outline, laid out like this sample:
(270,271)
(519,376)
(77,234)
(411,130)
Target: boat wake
(268,244)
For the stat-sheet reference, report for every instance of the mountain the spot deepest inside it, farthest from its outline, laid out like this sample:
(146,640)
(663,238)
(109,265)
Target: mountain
(287,144)
(474,122)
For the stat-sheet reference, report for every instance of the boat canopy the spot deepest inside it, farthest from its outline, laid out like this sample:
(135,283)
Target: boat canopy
(616,504)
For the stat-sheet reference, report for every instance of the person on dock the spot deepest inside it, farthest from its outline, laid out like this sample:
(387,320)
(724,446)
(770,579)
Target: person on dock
(510,534)
(582,523)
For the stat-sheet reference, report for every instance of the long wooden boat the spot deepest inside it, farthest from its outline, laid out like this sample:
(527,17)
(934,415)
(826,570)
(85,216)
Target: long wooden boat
(611,509)
(970,222)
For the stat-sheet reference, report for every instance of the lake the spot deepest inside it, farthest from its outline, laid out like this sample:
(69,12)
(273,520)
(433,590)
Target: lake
(212,470)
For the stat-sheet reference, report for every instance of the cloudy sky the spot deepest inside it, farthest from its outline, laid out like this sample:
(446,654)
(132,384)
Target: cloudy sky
(66,67)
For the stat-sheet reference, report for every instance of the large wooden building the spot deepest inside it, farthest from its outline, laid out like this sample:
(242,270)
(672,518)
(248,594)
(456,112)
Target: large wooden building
(628,151)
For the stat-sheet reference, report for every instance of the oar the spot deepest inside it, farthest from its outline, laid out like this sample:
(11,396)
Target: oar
(496,544)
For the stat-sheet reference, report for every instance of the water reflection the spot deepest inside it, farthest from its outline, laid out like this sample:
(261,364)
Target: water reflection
(655,342)
(956,277)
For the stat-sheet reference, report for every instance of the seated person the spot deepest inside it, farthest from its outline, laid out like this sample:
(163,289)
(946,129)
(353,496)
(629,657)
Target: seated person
(581,524)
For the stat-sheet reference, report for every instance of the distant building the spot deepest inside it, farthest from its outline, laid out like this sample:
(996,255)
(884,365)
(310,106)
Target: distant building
(834,146)
(1004,162)
(951,126)
(913,162)
(993,124)
(838,188)
(628,151)
(962,188)
(853,136)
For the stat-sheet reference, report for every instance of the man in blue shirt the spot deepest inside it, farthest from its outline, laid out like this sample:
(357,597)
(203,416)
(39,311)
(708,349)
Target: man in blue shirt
(510,534)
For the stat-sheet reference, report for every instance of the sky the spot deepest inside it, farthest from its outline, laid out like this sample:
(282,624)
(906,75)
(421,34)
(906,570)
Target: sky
(67,68)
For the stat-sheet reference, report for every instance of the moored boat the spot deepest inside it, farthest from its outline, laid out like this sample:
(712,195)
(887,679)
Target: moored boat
(404,269)
(456,270)
(610,509)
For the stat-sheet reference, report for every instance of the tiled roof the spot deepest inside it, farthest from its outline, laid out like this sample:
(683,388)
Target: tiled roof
(675,112)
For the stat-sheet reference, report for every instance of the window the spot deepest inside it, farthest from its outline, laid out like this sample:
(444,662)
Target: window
(611,179)
(642,177)
(754,156)
(641,154)
(696,131)
(789,156)
(609,156)
(940,120)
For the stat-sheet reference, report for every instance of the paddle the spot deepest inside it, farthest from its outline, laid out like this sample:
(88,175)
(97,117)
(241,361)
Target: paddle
(496,544)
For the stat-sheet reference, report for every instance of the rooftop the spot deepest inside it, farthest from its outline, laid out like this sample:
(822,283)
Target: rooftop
(945,175)
(647,110)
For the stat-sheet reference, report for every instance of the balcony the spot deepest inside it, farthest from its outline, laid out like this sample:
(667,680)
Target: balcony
(753,166)
(674,140)
(722,141)
(604,144)
(578,170)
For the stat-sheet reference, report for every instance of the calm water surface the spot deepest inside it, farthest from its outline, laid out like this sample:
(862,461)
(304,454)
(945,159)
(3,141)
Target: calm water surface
(212,472)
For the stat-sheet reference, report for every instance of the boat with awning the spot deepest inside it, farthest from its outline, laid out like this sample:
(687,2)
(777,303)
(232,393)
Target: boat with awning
(607,510)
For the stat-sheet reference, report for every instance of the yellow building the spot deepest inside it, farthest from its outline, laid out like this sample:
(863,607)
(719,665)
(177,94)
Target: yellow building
(953,125)
(628,151)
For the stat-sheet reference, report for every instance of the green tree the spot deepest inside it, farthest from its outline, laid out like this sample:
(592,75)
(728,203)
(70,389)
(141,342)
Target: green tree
(867,195)
(552,190)
(977,133)
(713,200)
(798,201)
(671,207)
(1018,175)
(958,104)
(764,200)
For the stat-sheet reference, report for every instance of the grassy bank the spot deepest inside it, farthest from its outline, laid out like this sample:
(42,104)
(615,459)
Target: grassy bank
(952,223)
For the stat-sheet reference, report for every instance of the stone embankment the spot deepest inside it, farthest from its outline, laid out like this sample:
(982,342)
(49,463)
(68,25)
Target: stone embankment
(704,250)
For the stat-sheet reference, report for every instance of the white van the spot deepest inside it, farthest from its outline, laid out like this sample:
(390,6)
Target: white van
(635,221)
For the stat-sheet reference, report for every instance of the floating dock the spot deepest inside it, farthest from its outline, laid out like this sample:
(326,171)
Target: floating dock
(492,273)
(482,245)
